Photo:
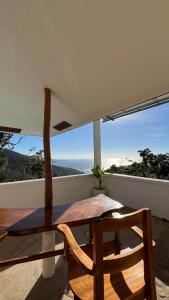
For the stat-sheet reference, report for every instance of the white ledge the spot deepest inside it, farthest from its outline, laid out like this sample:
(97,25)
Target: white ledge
(67,177)
(137,178)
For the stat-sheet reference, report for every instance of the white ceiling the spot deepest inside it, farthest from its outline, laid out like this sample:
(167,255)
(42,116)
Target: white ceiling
(97,56)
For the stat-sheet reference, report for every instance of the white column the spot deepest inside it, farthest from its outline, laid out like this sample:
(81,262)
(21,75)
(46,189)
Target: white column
(97,142)
(48,244)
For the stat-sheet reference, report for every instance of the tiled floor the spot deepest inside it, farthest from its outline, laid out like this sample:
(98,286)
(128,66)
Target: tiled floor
(24,281)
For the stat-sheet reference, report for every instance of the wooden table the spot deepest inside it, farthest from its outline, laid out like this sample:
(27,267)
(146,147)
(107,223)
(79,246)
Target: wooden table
(19,222)
(29,221)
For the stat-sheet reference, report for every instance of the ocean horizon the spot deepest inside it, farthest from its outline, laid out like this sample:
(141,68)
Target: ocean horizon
(82,165)
(85,165)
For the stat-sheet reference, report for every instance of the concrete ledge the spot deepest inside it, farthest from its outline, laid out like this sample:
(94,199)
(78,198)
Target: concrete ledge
(68,177)
(132,191)
(30,193)
(138,179)
(139,192)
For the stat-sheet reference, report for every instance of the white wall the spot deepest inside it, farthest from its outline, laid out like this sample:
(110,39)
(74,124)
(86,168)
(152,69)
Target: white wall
(132,191)
(139,192)
(31,193)
(72,188)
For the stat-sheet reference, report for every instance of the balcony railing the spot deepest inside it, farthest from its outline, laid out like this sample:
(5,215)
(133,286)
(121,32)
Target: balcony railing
(132,191)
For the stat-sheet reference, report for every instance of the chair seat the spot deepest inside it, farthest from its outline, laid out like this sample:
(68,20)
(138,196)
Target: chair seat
(127,284)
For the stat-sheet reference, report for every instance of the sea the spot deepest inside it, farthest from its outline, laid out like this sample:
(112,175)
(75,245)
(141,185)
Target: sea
(85,165)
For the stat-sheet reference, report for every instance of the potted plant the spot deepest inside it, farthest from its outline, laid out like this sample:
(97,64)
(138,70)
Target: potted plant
(98,173)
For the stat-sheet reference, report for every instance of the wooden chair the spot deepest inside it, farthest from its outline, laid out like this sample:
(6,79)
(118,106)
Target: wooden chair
(128,275)
(3,234)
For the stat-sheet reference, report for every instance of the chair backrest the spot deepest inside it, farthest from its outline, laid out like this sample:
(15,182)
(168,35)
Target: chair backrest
(123,261)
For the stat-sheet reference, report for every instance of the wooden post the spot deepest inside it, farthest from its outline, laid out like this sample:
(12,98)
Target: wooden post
(97,143)
(47,154)
(98,259)
(48,238)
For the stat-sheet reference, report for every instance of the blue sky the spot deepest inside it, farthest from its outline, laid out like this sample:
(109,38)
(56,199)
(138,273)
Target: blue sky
(121,138)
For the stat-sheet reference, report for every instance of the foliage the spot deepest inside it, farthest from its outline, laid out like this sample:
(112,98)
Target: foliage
(5,141)
(98,173)
(36,163)
(19,168)
(151,165)
(3,164)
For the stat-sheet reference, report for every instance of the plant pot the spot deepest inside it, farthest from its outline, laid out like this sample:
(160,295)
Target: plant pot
(97,192)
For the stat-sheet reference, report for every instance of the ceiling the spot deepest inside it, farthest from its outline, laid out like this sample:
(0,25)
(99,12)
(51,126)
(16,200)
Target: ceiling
(97,57)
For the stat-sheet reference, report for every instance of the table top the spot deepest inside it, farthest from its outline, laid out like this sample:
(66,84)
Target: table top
(33,220)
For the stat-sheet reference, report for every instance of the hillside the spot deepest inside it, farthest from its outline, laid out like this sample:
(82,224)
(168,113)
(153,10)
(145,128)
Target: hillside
(17,165)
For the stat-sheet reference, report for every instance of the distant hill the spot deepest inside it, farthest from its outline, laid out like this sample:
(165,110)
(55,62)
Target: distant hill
(17,165)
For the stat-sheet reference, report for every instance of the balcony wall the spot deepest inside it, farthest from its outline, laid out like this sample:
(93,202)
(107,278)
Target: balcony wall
(138,192)
(132,191)
(31,193)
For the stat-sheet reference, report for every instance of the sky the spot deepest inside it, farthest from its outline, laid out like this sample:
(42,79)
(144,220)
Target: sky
(120,139)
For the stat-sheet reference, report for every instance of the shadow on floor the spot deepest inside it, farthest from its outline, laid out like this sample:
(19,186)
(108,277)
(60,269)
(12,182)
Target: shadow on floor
(52,288)
(13,247)
(162,252)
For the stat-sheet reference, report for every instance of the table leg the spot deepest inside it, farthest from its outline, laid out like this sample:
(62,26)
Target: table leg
(48,264)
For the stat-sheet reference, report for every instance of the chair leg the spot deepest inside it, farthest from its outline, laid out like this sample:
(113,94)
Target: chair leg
(90,234)
(76,297)
(66,249)
(117,241)
(152,293)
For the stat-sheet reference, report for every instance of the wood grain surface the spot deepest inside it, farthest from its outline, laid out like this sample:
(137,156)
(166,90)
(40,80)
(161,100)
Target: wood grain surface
(29,221)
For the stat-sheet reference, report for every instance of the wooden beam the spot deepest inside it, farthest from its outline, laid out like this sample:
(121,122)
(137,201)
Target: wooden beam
(42,255)
(24,259)
(47,154)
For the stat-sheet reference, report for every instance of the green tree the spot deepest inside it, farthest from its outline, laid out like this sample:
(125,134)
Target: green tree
(3,164)
(36,163)
(5,141)
(151,165)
